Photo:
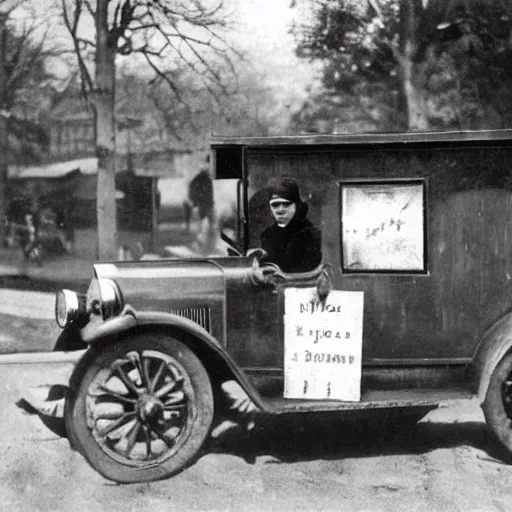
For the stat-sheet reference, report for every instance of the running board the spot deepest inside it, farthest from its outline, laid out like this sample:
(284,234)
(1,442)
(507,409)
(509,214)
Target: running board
(370,400)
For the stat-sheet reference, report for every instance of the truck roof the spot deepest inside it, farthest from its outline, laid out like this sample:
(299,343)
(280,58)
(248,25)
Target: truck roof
(370,138)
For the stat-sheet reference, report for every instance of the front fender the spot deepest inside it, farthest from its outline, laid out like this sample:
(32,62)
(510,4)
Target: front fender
(131,320)
(495,344)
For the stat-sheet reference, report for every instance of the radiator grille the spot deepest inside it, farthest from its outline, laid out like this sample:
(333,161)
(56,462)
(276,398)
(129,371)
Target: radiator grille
(200,316)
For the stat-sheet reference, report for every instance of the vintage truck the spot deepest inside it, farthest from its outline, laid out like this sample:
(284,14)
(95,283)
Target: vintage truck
(417,224)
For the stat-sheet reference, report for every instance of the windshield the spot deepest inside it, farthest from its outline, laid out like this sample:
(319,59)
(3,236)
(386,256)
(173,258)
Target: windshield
(211,218)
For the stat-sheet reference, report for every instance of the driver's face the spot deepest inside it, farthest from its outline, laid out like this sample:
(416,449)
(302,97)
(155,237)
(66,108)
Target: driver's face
(282,210)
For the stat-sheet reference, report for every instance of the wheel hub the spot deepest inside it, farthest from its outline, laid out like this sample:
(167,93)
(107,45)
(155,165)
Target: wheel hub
(149,409)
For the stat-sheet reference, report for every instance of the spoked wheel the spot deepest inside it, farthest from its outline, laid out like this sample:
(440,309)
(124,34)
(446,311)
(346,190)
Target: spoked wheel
(498,404)
(141,410)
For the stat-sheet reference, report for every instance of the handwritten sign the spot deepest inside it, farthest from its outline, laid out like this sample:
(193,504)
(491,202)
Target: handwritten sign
(323,345)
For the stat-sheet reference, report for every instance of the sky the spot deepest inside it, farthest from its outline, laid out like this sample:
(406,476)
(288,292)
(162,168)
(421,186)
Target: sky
(265,21)
(265,27)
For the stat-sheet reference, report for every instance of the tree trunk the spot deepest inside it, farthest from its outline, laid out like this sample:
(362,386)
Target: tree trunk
(104,101)
(415,95)
(411,72)
(4,147)
(4,141)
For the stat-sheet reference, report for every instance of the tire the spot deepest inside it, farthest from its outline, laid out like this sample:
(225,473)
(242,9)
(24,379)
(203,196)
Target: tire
(497,406)
(139,410)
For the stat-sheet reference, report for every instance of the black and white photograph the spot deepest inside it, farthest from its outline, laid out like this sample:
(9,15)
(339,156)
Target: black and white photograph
(256,255)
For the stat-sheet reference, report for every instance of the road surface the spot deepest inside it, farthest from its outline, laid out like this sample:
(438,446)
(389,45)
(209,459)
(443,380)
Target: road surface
(446,464)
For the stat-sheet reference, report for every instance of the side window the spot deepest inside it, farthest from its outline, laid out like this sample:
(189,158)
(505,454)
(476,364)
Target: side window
(383,226)
(225,200)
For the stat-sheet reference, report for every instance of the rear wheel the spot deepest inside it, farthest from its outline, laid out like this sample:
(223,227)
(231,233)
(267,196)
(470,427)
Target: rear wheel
(141,409)
(497,406)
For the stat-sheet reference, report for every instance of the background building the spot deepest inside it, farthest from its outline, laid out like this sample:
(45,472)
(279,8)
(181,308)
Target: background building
(61,190)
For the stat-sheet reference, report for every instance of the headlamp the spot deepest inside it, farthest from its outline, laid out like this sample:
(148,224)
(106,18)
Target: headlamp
(69,306)
(102,298)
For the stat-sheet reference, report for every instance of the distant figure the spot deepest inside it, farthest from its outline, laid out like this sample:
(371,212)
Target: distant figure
(29,240)
(292,242)
(213,217)
(62,230)
(200,192)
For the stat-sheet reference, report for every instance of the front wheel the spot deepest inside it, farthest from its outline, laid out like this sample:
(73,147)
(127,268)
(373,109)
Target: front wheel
(497,406)
(141,410)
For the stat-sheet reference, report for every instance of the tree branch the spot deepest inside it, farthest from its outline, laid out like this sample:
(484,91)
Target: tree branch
(6,10)
(72,26)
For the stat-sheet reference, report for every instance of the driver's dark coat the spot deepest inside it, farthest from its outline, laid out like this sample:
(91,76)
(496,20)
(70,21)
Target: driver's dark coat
(296,247)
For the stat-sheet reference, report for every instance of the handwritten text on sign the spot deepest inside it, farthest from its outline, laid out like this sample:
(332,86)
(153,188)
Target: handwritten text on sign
(323,345)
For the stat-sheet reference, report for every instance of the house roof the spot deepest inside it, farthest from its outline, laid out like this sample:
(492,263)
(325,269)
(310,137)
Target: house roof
(54,170)
(169,165)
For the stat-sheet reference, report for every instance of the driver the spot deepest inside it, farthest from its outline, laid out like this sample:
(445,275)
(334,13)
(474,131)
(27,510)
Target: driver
(293,243)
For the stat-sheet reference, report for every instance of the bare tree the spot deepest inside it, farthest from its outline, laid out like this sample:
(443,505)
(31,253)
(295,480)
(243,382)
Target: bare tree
(167,34)
(23,56)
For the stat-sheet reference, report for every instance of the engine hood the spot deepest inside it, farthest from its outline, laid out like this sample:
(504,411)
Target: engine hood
(149,282)
(179,286)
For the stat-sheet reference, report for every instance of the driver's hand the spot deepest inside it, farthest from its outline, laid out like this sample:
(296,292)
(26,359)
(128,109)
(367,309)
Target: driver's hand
(262,275)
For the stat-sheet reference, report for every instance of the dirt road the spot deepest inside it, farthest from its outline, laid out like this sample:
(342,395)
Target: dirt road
(445,464)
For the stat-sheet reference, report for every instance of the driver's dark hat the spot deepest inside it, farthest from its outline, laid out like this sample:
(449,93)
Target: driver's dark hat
(287,188)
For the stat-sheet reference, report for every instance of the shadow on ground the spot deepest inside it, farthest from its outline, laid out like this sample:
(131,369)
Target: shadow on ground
(303,437)
(46,408)
(296,438)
